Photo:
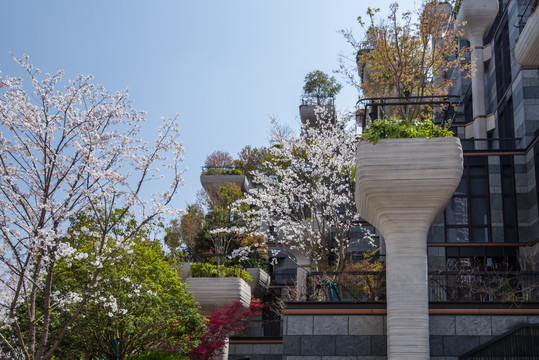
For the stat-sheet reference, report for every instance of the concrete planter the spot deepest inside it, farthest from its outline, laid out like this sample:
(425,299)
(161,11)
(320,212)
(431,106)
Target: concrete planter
(308,114)
(527,46)
(260,283)
(214,293)
(401,186)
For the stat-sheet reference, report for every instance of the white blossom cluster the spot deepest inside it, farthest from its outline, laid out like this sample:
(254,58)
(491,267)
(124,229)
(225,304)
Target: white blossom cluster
(307,196)
(68,148)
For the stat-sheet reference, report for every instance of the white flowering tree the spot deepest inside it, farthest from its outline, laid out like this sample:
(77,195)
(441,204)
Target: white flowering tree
(63,152)
(305,192)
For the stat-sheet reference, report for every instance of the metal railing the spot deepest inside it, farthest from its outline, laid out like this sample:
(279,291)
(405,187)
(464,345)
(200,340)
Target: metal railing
(313,100)
(444,107)
(444,286)
(484,286)
(521,342)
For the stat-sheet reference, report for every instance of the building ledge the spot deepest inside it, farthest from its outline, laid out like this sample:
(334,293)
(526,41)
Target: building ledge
(435,308)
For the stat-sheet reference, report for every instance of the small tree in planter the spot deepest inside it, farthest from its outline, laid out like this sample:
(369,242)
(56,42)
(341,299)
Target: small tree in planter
(401,57)
(317,102)
(320,87)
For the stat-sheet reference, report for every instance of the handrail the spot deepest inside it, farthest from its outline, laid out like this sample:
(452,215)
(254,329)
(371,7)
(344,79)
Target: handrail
(486,244)
(410,100)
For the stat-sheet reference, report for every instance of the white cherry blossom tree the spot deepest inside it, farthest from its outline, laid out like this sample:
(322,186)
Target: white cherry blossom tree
(68,148)
(305,193)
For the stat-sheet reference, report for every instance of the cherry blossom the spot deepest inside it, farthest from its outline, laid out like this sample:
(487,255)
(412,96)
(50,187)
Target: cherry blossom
(305,194)
(68,148)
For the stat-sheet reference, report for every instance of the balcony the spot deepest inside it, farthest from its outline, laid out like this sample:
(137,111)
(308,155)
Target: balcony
(527,46)
(445,286)
(212,178)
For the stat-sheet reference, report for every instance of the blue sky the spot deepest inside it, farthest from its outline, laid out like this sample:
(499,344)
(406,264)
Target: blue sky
(224,66)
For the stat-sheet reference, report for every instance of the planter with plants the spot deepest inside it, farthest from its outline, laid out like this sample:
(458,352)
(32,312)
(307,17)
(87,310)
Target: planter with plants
(318,98)
(214,286)
(405,174)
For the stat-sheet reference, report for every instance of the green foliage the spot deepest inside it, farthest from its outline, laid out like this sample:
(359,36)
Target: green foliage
(320,86)
(223,171)
(141,300)
(393,128)
(210,270)
(158,356)
(181,232)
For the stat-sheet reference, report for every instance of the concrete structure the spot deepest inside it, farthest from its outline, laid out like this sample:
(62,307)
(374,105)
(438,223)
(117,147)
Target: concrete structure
(491,221)
(401,186)
(527,46)
(358,333)
(214,293)
(475,18)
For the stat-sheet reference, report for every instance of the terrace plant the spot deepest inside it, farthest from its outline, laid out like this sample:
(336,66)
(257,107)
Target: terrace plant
(320,87)
(404,55)
(221,324)
(200,269)
(394,128)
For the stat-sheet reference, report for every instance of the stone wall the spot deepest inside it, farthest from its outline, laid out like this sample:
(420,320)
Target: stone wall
(363,337)
(255,350)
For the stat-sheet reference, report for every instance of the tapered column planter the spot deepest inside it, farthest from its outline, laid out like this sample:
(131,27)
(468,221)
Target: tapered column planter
(401,186)
(260,283)
(214,293)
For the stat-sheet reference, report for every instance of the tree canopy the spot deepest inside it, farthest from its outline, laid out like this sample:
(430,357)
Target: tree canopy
(69,148)
(305,193)
(405,55)
(318,85)
(140,303)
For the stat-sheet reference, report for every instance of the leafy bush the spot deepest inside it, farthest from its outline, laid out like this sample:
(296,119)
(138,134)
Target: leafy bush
(222,171)
(158,356)
(393,128)
(210,270)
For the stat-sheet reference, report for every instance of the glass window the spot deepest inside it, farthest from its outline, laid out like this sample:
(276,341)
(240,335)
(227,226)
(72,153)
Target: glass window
(479,211)
(456,212)
(480,235)
(457,235)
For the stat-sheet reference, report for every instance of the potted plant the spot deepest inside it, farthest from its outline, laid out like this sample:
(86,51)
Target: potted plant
(318,98)
(214,286)
(406,171)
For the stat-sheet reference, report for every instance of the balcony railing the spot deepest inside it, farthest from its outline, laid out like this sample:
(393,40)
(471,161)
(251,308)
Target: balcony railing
(444,286)
(313,100)
(443,107)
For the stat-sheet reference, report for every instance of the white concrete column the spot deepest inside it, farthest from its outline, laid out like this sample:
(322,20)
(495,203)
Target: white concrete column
(401,186)
(407,294)
(475,17)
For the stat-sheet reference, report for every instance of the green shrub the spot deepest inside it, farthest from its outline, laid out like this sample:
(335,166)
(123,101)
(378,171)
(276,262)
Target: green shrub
(392,128)
(158,356)
(222,171)
(210,270)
